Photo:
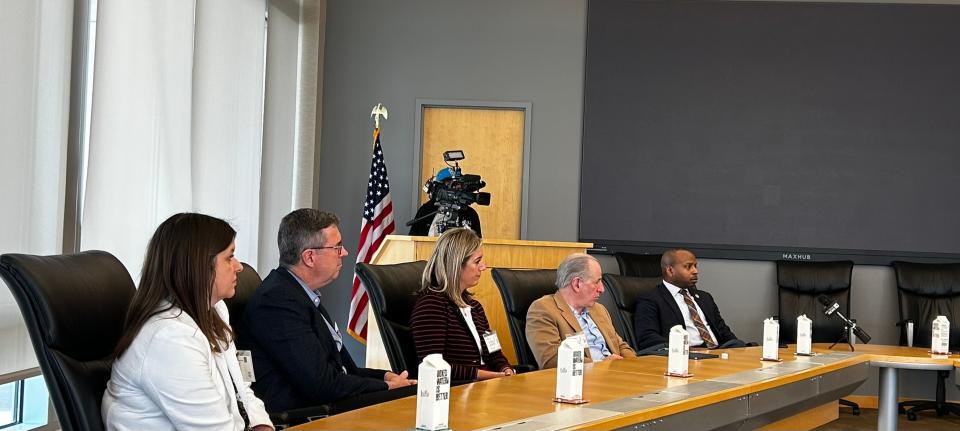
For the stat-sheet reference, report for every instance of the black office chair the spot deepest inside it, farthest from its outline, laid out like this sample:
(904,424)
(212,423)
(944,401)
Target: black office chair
(638,265)
(924,291)
(624,290)
(519,288)
(392,290)
(74,307)
(247,282)
(799,285)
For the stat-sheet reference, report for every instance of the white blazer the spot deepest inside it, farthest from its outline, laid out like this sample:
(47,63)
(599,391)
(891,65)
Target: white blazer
(170,379)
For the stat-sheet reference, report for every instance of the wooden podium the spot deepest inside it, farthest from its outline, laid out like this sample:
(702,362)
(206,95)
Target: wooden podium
(497,253)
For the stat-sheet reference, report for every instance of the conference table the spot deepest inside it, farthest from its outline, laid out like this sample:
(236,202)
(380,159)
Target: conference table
(891,359)
(739,392)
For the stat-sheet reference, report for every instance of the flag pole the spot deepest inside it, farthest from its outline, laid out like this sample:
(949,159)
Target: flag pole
(376,224)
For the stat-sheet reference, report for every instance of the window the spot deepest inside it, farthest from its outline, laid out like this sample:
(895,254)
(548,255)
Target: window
(10,413)
(24,403)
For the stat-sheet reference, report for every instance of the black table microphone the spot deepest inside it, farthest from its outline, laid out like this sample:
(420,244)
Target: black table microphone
(831,308)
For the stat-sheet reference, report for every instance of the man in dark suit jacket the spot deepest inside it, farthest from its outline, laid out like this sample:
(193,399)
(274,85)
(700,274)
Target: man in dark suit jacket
(677,301)
(298,354)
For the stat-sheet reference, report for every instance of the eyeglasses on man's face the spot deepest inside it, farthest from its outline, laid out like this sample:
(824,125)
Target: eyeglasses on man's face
(336,248)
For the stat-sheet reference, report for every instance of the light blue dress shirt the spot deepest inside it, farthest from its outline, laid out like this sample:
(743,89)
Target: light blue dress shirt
(598,346)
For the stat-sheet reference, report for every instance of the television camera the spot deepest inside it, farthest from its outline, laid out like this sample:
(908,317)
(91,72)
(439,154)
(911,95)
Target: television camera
(452,192)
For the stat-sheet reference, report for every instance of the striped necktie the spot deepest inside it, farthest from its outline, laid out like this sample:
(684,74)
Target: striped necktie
(697,323)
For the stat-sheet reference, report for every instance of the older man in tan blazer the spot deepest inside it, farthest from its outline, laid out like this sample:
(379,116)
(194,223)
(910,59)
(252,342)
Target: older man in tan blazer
(573,309)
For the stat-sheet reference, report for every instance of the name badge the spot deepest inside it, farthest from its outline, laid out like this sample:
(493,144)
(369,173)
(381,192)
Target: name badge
(493,343)
(246,365)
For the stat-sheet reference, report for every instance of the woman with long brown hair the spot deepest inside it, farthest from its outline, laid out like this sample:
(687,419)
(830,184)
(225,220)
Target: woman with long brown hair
(447,320)
(176,366)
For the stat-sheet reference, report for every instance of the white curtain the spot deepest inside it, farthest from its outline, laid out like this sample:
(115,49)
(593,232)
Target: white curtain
(176,123)
(35,43)
(228,115)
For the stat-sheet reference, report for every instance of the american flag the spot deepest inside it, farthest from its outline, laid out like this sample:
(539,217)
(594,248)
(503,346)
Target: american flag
(376,225)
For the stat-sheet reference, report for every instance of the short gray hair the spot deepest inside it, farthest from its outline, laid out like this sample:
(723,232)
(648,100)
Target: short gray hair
(575,265)
(299,229)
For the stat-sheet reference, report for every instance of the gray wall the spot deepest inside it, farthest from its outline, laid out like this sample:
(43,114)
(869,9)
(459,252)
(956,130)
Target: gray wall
(397,52)
(507,50)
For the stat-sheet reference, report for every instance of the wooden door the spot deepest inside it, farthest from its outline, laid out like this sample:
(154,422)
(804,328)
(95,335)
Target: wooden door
(492,140)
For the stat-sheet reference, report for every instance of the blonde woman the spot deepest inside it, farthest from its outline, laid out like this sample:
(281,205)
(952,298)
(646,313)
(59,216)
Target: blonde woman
(447,320)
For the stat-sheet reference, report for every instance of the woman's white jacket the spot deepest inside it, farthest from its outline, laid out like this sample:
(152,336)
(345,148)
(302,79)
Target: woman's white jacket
(170,379)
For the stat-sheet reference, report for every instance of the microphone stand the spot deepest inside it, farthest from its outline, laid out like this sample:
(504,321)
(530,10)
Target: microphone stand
(845,337)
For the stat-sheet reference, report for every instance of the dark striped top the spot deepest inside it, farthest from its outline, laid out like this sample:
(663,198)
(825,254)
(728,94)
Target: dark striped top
(439,327)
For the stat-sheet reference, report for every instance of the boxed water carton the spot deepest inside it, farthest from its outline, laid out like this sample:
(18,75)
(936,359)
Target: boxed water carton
(940,341)
(679,352)
(771,339)
(570,369)
(804,335)
(433,393)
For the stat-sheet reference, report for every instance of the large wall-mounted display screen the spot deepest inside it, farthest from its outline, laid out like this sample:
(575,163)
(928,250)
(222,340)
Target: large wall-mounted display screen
(767,130)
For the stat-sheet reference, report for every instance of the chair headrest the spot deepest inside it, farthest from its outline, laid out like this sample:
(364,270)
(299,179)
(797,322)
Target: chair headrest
(625,289)
(77,302)
(638,265)
(393,288)
(928,279)
(247,283)
(520,287)
(814,277)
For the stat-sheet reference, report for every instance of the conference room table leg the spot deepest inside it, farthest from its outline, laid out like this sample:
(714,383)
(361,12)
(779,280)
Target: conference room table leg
(887,405)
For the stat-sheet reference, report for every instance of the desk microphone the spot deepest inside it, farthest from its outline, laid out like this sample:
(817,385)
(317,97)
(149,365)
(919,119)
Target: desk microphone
(831,307)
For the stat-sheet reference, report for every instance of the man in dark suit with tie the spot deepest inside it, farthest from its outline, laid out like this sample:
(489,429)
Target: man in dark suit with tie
(298,354)
(677,301)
